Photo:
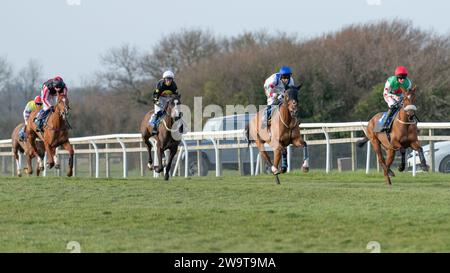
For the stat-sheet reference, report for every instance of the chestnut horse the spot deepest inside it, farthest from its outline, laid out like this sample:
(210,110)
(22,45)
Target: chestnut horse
(403,135)
(56,133)
(168,136)
(25,148)
(283,131)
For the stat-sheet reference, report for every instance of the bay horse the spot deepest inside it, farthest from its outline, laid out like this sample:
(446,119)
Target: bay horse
(25,148)
(283,131)
(402,135)
(168,136)
(56,133)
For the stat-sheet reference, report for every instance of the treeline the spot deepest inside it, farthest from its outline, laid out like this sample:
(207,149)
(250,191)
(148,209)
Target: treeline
(343,75)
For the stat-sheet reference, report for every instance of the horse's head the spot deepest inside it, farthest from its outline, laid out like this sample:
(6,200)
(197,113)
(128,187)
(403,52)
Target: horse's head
(63,107)
(291,99)
(409,99)
(172,107)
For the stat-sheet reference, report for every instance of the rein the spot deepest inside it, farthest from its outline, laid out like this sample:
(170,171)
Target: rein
(284,123)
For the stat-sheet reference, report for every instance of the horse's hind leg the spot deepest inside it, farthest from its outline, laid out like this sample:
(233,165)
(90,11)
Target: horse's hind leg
(68,147)
(401,167)
(50,153)
(16,158)
(299,142)
(56,159)
(423,163)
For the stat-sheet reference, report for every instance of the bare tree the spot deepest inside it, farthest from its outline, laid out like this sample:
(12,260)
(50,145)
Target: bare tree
(123,70)
(5,72)
(178,50)
(29,79)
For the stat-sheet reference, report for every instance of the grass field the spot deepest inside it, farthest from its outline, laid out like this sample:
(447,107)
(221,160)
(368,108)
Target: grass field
(314,212)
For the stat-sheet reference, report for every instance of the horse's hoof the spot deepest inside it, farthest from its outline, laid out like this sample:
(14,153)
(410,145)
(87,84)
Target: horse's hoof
(274,170)
(69,174)
(425,168)
(57,166)
(27,171)
(401,168)
(41,168)
(166,177)
(50,165)
(150,166)
(305,169)
(159,169)
(19,174)
(283,169)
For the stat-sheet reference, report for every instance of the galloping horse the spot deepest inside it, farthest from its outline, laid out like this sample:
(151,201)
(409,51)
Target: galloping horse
(165,138)
(284,130)
(56,133)
(403,135)
(25,148)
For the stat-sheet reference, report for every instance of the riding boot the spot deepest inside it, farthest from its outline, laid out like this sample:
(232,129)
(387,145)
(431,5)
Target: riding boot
(22,134)
(266,117)
(39,120)
(387,120)
(154,122)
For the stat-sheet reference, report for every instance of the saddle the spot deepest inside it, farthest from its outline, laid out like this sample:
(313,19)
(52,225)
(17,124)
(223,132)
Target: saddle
(379,124)
(43,120)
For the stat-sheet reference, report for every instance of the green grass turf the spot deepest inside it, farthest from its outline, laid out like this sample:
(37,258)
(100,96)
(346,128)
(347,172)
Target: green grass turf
(314,212)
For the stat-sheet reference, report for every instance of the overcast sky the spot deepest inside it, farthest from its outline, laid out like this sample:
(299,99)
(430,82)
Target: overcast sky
(88,28)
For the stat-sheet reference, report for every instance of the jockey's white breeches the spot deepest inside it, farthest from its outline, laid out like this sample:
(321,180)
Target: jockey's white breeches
(390,99)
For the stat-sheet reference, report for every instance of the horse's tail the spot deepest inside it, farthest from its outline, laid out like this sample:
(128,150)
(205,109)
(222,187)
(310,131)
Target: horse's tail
(361,142)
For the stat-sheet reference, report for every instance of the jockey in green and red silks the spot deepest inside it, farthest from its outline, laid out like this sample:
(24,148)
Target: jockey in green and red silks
(49,95)
(392,93)
(274,88)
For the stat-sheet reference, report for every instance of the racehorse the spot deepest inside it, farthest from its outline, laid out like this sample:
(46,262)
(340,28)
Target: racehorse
(168,136)
(402,135)
(56,133)
(283,131)
(25,148)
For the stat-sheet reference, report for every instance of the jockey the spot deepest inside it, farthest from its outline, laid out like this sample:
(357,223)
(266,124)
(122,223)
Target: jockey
(392,93)
(274,88)
(30,107)
(49,94)
(165,87)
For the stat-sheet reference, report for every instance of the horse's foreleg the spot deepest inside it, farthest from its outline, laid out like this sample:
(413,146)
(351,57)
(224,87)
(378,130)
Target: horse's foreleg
(276,160)
(159,153)
(50,154)
(423,163)
(377,148)
(401,167)
(263,152)
(68,147)
(389,160)
(173,151)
